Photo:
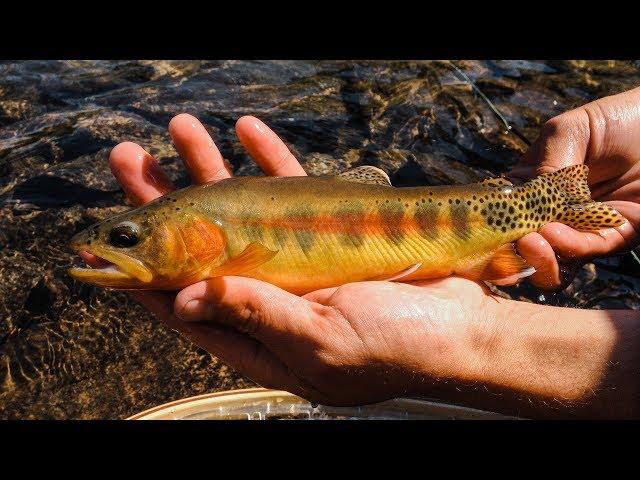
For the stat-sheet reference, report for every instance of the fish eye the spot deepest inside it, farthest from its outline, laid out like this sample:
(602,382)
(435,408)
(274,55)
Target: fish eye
(124,235)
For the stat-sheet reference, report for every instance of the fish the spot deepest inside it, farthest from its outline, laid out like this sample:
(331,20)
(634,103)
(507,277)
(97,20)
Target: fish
(307,233)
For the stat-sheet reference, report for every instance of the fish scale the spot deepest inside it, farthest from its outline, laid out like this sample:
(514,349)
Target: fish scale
(306,233)
(400,243)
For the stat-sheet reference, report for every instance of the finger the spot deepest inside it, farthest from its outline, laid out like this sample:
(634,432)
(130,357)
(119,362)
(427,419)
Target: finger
(629,230)
(623,188)
(563,141)
(538,253)
(260,309)
(159,303)
(266,148)
(572,245)
(199,153)
(141,177)
(624,184)
(243,353)
(322,296)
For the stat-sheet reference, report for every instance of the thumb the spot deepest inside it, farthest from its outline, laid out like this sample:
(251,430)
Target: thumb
(250,306)
(563,142)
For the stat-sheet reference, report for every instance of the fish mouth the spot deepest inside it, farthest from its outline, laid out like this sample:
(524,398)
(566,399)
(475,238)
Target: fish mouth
(113,268)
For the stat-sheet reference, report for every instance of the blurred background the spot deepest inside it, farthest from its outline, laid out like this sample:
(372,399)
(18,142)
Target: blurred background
(69,350)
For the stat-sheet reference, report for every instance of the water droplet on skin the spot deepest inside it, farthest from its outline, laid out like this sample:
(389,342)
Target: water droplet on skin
(606,232)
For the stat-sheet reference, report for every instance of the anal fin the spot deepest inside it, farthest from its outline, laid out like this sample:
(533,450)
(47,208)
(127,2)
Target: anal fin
(251,257)
(501,267)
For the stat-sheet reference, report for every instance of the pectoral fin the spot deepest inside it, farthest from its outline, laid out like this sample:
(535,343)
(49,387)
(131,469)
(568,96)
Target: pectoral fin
(251,257)
(502,267)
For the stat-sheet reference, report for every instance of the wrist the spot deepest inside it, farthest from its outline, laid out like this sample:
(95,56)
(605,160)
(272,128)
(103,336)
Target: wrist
(541,361)
(455,348)
(543,351)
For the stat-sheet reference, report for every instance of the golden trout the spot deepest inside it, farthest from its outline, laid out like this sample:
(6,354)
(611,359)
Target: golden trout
(306,233)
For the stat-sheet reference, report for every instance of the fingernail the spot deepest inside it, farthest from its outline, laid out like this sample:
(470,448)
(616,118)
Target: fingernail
(626,227)
(194,310)
(258,126)
(542,242)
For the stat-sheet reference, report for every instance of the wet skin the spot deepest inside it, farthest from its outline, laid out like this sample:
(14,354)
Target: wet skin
(368,341)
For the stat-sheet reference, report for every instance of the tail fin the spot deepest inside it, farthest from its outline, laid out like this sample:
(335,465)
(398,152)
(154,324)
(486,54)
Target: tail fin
(575,206)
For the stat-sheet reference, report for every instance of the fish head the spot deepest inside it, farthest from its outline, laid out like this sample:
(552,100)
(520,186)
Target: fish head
(157,246)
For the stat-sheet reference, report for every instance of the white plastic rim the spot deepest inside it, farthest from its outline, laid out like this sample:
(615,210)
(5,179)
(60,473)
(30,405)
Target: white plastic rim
(265,404)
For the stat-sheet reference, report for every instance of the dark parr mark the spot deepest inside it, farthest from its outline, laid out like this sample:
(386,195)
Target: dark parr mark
(460,220)
(350,213)
(280,235)
(351,239)
(301,219)
(426,218)
(351,217)
(255,232)
(305,239)
(391,215)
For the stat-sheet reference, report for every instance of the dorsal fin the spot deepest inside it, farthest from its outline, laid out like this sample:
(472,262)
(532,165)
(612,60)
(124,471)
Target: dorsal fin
(366,174)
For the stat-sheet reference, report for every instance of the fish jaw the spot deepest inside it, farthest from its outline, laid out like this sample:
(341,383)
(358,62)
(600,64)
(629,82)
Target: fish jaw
(120,271)
(110,276)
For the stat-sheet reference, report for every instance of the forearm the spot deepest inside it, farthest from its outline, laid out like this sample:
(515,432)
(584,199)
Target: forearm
(548,362)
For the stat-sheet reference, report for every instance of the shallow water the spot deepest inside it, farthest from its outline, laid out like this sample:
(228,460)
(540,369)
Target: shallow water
(69,350)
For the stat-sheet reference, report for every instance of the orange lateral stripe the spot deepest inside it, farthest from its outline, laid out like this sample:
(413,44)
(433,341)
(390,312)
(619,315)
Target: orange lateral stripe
(351,223)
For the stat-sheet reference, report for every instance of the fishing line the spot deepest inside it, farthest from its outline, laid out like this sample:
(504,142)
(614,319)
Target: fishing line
(494,109)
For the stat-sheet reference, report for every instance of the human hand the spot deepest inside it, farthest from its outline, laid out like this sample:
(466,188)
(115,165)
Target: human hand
(349,345)
(605,136)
